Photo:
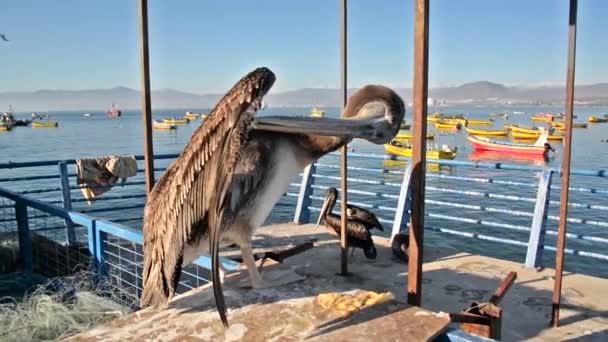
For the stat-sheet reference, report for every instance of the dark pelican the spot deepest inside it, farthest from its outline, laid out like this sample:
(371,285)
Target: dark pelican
(399,246)
(234,170)
(358,223)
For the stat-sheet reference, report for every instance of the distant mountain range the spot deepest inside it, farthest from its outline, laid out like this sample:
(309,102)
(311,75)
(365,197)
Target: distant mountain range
(483,92)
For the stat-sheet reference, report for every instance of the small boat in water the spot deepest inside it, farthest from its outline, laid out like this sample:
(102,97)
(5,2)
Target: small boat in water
(479,122)
(5,127)
(49,124)
(533,136)
(482,132)
(398,148)
(162,126)
(317,113)
(176,121)
(516,128)
(444,125)
(86,114)
(114,112)
(595,119)
(191,115)
(410,136)
(405,125)
(541,147)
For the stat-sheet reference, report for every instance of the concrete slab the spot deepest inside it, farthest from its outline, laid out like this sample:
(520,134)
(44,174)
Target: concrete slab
(451,281)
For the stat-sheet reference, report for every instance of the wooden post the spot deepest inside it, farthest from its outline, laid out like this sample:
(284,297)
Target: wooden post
(25,241)
(146,101)
(344,158)
(421,64)
(563,205)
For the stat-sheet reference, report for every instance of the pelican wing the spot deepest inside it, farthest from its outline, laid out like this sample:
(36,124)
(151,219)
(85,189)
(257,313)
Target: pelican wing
(188,202)
(366,216)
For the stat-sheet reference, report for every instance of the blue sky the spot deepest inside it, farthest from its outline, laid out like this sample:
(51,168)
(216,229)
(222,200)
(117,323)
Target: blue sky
(205,46)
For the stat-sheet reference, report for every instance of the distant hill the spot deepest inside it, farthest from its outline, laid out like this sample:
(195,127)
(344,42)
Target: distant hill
(482,92)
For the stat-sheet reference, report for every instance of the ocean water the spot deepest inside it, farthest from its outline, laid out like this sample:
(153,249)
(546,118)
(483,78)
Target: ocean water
(78,136)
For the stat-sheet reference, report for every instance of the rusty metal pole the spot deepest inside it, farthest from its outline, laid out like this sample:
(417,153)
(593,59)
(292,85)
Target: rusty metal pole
(344,158)
(563,201)
(145,91)
(421,75)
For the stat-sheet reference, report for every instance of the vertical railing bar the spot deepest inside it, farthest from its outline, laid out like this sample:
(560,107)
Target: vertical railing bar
(344,159)
(402,214)
(66,198)
(146,98)
(302,213)
(421,74)
(25,240)
(539,221)
(563,208)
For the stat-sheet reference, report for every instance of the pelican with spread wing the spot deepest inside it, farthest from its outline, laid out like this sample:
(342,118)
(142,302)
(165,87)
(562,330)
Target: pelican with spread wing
(234,170)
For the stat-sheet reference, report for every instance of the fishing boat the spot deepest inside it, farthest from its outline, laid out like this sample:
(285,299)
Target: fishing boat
(8,119)
(443,125)
(535,159)
(317,113)
(540,118)
(500,115)
(529,136)
(533,130)
(540,147)
(162,126)
(455,121)
(482,132)
(5,127)
(176,121)
(560,126)
(191,115)
(405,126)
(595,119)
(409,136)
(479,122)
(86,114)
(48,124)
(433,119)
(114,112)
(397,148)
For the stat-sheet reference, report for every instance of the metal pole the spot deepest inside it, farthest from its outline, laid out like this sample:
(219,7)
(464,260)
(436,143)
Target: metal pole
(344,173)
(421,73)
(146,103)
(563,205)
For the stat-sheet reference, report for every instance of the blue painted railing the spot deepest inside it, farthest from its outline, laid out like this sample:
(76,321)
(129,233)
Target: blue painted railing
(99,235)
(387,192)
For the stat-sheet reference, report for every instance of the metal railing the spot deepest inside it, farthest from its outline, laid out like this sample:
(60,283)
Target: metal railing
(513,205)
(112,250)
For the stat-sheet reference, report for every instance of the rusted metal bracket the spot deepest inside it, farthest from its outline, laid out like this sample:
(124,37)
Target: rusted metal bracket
(485,319)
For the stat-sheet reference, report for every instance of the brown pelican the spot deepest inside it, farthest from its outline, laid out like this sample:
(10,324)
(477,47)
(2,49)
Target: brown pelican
(234,170)
(358,223)
(399,246)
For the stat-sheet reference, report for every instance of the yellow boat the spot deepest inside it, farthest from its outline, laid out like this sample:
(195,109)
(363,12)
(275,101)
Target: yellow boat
(515,128)
(190,115)
(5,128)
(45,124)
(176,121)
(442,125)
(455,121)
(482,132)
(560,126)
(162,126)
(433,119)
(479,122)
(540,118)
(532,136)
(317,113)
(396,149)
(409,136)
(596,119)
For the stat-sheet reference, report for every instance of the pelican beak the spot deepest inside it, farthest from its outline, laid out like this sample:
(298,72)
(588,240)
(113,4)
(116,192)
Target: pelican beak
(323,211)
(374,123)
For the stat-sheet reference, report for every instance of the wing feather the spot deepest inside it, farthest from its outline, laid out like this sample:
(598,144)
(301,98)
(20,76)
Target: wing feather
(178,208)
